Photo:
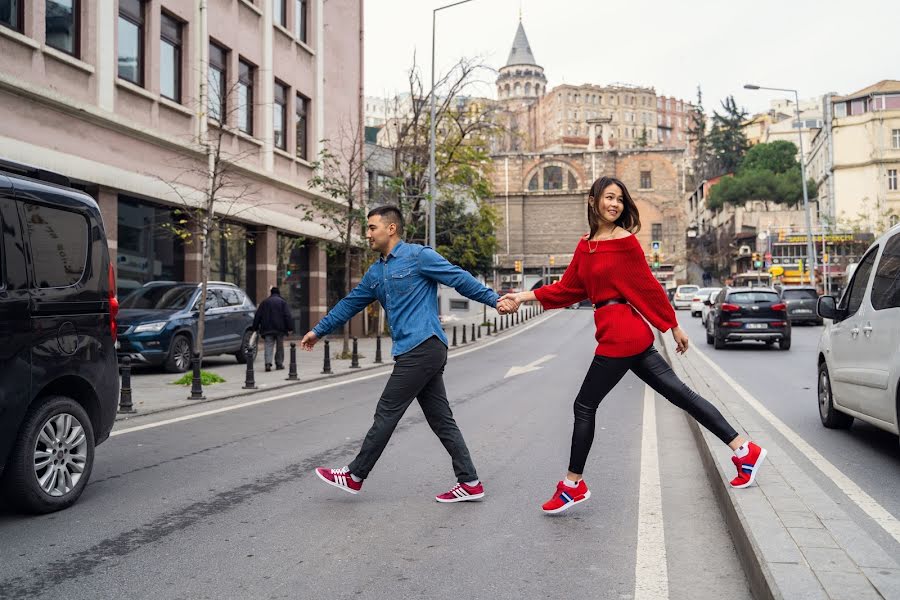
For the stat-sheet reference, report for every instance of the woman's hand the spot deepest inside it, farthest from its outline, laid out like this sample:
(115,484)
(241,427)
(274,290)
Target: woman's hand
(681,340)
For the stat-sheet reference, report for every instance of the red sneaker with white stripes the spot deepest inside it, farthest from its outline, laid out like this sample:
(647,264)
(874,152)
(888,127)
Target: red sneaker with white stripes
(339,478)
(566,497)
(462,493)
(748,466)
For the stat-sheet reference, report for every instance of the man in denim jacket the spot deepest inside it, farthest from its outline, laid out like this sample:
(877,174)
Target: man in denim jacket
(405,281)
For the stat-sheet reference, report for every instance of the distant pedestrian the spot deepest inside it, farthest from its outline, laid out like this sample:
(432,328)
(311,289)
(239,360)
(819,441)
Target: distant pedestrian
(273,321)
(609,268)
(404,280)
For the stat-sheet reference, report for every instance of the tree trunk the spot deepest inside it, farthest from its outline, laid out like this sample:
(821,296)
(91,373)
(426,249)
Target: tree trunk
(204,280)
(347,284)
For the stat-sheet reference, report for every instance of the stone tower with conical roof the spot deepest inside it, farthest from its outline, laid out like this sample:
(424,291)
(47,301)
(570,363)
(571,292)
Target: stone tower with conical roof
(521,80)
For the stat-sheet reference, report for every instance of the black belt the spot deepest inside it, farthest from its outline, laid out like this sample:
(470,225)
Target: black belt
(611,301)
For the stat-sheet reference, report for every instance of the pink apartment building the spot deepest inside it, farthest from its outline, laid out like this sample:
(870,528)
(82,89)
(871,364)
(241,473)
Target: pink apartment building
(107,93)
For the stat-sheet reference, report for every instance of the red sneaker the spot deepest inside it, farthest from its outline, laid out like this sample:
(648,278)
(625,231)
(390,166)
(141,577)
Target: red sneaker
(462,493)
(748,467)
(566,497)
(339,478)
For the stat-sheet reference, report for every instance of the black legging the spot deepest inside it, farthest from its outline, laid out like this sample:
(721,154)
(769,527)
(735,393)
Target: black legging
(603,375)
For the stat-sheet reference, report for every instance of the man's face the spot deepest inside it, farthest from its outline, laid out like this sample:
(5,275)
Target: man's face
(379,233)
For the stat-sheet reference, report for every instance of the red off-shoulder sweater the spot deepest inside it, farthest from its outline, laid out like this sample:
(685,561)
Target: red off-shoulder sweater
(616,269)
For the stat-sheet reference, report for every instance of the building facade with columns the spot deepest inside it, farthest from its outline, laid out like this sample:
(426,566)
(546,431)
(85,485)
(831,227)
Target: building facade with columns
(109,94)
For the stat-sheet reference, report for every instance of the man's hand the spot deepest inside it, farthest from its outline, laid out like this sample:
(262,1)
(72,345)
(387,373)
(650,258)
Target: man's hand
(681,340)
(309,340)
(508,304)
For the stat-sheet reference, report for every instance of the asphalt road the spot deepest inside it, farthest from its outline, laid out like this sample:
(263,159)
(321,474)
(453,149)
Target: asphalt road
(785,382)
(225,505)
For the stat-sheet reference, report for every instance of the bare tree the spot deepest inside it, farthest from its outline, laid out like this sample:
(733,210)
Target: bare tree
(340,172)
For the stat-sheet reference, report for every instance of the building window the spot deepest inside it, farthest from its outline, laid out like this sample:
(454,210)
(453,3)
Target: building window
(895,139)
(61,25)
(892,179)
(216,78)
(300,19)
(170,58)
(279,13)
(656,232)
(553,178)
(11,14)
(533,183)
(245,97)
(131,41)
(302,114)
(148,249)
(459,304)
(646,181)
(573,182)
(894,220)
(279,115)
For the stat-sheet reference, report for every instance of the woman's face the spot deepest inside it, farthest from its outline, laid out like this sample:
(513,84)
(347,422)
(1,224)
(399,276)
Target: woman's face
(610,204)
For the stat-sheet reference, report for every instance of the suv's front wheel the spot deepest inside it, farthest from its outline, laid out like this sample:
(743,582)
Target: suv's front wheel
(179,359)
(52,459)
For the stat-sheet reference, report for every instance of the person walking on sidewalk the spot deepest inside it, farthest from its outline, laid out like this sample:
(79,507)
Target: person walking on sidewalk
(404,280)
(273,321)
(609,268)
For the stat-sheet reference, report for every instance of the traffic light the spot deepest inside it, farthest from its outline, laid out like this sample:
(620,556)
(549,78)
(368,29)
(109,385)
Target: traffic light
(757,263)
(656,260)
(518,266)
(552,260)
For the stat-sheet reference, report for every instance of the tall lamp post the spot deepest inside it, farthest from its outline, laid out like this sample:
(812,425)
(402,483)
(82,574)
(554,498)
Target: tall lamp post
(432,184)
(810,244)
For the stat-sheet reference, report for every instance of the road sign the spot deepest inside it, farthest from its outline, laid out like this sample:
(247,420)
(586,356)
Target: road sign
(655,245)
(768,257)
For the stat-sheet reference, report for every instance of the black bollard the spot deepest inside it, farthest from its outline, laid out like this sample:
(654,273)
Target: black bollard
(125,404)
(480,325)
(473,332)
(292,368)
(378,349)
(516,319)
(495,325)
(249,376)
(454,335)
(354,359)
(326,367)
(488,328)
(196,383)
(464,335)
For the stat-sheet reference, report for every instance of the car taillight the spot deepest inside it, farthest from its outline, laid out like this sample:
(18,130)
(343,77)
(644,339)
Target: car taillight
(779,306)
(731,324)
(697,299)
(778,324)
(113,303)
(730,308)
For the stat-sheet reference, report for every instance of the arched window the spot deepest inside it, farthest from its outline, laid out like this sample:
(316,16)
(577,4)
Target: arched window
(573,183)
(894,220)
(518,89)
(553,178)
(528,89)
(533,183)
(506,88)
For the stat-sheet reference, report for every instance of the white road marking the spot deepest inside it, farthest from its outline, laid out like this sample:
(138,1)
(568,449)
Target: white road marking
(651,574)
(319,388)
(864,501)
(532,366)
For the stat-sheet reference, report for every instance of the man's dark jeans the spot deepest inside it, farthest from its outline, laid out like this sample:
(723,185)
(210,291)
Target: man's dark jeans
(418,373)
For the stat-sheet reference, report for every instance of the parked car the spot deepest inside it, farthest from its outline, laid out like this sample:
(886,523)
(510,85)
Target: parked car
(684,294)
(58,374)
(801,303)
(742,314)
(707,303)
(158,323)
(698,298)
(858,358)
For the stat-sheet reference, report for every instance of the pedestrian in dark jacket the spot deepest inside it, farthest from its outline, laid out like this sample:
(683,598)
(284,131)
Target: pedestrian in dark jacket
(273,321)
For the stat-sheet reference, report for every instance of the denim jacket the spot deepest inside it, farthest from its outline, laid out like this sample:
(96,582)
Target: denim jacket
(405,282)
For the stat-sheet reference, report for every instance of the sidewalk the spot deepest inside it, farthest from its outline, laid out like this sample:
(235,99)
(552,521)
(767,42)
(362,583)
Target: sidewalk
(794,541)
(152,391)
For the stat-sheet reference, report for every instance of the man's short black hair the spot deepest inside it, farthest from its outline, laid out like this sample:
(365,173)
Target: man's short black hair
(391,214)
(274,290)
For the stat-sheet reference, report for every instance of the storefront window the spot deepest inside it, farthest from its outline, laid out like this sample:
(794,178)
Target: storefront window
(228,254)
(147,250)
(293,278)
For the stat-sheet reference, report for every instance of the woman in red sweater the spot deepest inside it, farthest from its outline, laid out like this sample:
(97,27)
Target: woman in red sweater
(609,268)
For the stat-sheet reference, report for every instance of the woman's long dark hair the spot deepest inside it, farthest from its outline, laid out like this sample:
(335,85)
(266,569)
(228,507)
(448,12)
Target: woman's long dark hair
(630,219)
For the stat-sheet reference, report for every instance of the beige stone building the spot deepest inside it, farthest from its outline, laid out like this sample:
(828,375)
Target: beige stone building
(108,93)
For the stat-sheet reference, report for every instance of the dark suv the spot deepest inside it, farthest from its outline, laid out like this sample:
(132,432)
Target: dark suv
(58,372)
(158,323)
(740,314)
(801,303)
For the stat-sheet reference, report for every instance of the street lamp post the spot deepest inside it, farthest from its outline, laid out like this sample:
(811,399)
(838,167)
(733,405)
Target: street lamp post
(432,184)
(810,244)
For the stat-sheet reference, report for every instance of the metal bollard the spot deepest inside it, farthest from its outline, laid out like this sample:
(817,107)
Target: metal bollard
(196,382)
(487,328)
(495,325)
(292,368)
(516,319)
(454,335)
(480,325)
(354,359)
(250,376)
(125,404)
(378,349)
(473,332)
(464,335)
(326,367)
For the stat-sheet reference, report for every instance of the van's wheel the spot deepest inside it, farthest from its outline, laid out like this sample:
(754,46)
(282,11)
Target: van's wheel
(179,359)
(52,458)
(831,418)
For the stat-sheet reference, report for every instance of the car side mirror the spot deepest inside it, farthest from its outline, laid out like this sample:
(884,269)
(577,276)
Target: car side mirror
(826,307)
(707,303)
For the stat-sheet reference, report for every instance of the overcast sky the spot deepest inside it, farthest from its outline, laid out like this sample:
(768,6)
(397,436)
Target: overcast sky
(815,46)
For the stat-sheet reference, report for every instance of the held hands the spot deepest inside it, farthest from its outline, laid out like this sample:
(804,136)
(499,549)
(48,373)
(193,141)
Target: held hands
(681,340)
(309,340)
(508,304)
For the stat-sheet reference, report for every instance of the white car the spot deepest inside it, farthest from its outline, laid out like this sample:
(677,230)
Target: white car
(683,296)
(859,350)
(707,304)
(698,298)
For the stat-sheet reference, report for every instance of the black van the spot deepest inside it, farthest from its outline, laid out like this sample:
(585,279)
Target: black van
(58,368)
